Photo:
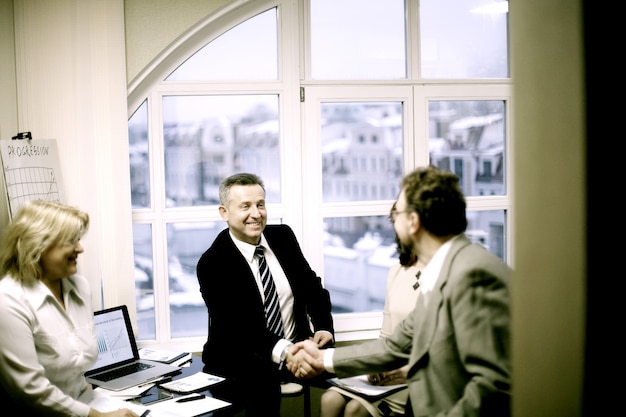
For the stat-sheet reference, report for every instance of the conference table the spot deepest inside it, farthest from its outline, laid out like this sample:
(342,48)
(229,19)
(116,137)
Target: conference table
(222,390)
(226,391)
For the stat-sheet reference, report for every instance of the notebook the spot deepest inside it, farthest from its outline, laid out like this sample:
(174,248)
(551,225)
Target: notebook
(118,365)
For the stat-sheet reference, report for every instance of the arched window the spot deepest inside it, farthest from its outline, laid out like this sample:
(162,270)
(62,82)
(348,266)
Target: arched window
(331,102)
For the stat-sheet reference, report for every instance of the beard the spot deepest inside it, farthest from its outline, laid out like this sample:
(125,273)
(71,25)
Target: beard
(405,252)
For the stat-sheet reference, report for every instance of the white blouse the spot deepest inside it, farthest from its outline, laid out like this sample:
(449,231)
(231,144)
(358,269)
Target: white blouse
(400,297)
(45,349)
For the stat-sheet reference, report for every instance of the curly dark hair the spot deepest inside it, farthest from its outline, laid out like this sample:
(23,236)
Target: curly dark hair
(436,196)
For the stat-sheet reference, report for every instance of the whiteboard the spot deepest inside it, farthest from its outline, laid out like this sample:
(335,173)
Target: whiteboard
(31,171)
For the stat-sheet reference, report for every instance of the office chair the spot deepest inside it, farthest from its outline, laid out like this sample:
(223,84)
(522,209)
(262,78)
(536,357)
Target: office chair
(293,389)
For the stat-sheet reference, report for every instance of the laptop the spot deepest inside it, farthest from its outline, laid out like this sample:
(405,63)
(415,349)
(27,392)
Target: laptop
(119,366)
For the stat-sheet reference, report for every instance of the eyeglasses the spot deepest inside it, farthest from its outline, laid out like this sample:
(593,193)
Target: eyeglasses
(394,214)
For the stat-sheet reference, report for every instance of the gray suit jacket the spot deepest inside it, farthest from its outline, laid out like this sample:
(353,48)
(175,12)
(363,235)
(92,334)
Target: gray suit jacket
(458,346)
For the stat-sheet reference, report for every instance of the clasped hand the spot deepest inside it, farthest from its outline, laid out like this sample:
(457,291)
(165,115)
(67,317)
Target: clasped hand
(305,359)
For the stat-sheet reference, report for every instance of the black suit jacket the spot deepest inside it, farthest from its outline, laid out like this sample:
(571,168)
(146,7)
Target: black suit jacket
(238,340)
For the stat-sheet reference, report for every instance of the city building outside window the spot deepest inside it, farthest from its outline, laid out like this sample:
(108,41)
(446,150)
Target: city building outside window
(331,110)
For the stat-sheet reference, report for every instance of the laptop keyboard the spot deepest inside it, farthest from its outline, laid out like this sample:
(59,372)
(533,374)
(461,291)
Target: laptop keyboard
(123,371)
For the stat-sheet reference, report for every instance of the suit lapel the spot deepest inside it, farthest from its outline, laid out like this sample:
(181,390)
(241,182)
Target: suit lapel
(281,246)
(241,272)
(426,315)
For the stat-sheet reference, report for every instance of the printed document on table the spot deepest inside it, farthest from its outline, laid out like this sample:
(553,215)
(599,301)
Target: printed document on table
(360,386)
(98,400)
(165,356)
(187,409)
(192,383)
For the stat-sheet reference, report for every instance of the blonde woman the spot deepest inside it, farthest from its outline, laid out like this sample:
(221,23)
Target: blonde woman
(46,317)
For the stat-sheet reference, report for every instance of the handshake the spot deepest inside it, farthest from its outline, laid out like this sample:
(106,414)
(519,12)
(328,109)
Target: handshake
(305,359)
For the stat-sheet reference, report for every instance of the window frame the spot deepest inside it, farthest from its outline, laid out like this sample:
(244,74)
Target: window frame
(357,326)
(298,120)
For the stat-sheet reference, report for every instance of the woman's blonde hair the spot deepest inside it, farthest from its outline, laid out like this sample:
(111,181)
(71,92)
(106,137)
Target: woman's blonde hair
(37,226)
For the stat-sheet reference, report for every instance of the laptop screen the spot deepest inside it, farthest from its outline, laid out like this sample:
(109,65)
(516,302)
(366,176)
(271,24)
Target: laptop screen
(116,343)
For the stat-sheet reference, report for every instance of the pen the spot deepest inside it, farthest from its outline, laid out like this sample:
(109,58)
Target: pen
(145,413)
(163,380)
(187,399)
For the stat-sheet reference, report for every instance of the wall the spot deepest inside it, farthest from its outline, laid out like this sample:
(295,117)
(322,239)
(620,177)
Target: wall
(69,84)
(549,199)
(8,93)
(151,25)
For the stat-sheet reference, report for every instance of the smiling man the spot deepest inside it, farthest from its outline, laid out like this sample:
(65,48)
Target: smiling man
(247,265)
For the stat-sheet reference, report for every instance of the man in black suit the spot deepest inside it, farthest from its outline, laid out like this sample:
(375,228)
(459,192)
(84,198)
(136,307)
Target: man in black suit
(240,346)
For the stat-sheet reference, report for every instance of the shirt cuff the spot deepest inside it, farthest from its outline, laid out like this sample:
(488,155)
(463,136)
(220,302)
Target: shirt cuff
(279,347)
(328,360)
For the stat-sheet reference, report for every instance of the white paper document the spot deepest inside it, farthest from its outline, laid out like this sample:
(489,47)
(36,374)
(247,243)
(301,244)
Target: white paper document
(361,386)
(170,408)
(99,400)
(192,383)
(186,409)
(166,356)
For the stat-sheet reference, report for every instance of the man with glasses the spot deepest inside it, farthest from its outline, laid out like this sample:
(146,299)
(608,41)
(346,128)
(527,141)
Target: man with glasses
(456,341)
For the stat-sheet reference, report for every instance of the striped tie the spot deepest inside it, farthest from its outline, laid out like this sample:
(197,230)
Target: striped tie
(272,306)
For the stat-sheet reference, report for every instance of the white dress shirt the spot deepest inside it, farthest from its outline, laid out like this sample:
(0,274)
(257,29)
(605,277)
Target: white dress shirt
(45,349)
(430,273)
(427,280)
(285,295)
